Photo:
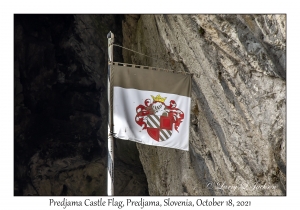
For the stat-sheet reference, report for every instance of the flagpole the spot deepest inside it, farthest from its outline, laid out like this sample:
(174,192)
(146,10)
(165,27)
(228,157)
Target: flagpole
(110,145)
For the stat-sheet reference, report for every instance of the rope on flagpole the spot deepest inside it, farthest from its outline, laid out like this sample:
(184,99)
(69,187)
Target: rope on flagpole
(152,58)
(136,52)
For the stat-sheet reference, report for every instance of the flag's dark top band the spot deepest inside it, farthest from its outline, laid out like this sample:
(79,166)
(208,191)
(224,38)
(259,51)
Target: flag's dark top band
(151,79)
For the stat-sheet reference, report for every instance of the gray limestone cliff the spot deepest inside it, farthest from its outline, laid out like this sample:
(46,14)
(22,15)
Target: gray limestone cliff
(238,120)
(238,113)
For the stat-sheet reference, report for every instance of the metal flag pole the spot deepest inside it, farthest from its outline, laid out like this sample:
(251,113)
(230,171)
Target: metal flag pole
(110,146)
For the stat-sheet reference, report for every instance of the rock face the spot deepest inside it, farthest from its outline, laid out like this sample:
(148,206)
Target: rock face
(238,125)
(60,76)
(238,121)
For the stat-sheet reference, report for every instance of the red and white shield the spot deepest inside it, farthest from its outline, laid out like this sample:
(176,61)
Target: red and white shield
(160,128)
(158,118)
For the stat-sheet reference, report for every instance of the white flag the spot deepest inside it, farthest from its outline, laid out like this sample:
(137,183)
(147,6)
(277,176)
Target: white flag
(151,107)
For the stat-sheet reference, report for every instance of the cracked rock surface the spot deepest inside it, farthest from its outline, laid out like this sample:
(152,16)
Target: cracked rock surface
(238,120)
(238,113)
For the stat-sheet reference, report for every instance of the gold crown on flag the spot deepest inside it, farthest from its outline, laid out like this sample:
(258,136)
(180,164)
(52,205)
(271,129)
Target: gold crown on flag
(159,98)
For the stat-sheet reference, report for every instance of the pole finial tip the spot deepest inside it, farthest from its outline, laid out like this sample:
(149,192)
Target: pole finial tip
(110,35)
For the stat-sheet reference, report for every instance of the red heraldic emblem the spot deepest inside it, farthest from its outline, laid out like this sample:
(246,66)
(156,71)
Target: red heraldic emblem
(158,119)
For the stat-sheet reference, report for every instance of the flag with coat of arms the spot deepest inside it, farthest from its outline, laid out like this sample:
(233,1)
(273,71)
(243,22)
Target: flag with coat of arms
(151,106)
